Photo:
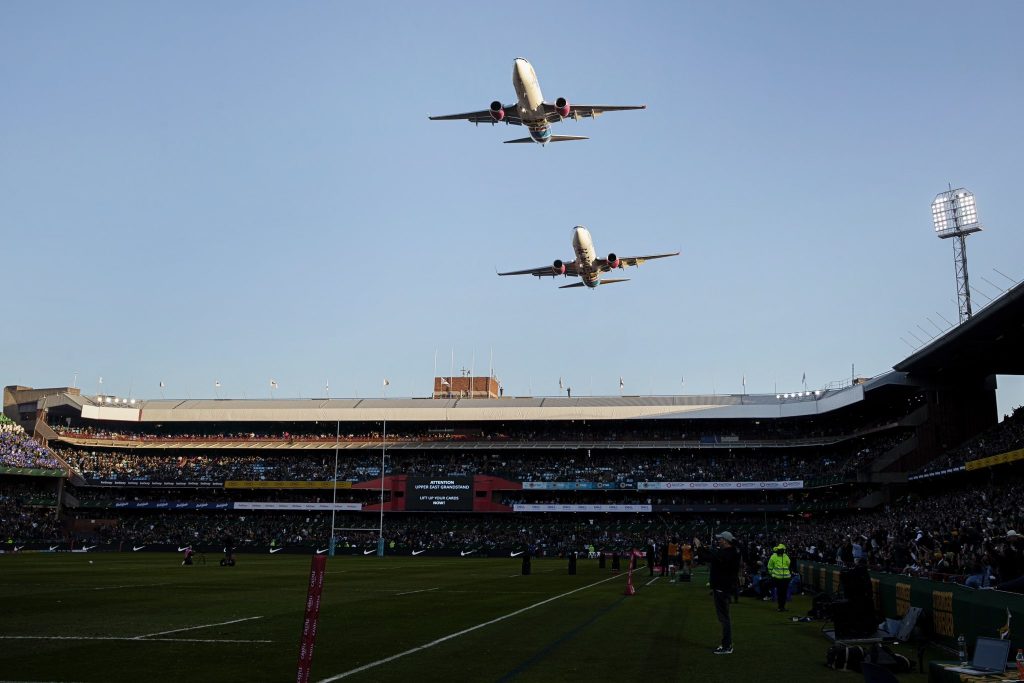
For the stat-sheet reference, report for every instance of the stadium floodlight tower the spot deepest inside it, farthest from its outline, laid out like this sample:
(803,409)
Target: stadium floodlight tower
(955,215)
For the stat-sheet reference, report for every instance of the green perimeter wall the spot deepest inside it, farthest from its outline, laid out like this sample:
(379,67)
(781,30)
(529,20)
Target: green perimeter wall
(949,609)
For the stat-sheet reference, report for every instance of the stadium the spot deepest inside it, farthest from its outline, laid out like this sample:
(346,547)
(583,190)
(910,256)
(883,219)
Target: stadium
(517,535)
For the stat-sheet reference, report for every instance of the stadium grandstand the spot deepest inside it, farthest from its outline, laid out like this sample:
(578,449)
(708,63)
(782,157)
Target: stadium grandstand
(446,475)
(910,473)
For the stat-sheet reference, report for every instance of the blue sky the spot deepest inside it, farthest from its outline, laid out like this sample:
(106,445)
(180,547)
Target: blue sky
(244,191)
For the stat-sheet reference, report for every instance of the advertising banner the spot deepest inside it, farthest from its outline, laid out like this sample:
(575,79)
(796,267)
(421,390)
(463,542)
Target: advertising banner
(262,505)
(576,485)
(254,505)
(240,484)
(719,485)
(555,507)
(161,505)
(31,471)
(443,494)
(726,507)
(151,483)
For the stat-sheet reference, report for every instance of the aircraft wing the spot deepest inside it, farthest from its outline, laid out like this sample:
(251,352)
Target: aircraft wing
(547,271)
(631,260)
(483,116)
(582,111)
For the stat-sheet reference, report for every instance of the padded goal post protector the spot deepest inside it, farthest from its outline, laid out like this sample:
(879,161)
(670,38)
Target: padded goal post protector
(309,625)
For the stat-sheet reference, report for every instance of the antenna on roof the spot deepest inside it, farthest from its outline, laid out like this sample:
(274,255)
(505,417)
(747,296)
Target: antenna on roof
(1016,282)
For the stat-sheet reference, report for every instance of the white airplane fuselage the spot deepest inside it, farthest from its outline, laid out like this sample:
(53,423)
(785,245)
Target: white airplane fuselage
(583,245)
(530,101)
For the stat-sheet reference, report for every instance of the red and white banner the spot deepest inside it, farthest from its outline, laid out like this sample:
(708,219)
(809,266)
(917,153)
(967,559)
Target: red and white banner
(309,625)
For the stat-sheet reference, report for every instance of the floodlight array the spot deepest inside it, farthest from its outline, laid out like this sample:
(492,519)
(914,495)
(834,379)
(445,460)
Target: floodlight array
(115,400)
(798,394)
(955,213)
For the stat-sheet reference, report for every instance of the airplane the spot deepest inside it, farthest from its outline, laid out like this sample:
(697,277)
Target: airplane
(586,264)
(532,111)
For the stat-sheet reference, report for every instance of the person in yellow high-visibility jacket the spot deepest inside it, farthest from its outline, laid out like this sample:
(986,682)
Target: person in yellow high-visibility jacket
(778,569)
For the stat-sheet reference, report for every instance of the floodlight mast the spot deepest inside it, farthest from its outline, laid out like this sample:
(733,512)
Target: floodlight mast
(955,214)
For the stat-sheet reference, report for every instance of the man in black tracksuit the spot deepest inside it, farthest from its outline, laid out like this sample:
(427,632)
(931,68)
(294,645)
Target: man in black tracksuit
(725,567)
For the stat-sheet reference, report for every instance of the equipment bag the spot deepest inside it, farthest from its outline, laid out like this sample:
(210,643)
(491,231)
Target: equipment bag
(844,657)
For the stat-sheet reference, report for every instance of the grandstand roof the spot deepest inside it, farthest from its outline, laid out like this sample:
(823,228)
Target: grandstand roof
(455,410)
(989,343)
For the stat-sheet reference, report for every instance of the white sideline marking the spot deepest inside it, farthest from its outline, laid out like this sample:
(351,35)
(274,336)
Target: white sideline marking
(652,581)
(193,628)
(462,632)
(135,638)
(131,585)
(424,590)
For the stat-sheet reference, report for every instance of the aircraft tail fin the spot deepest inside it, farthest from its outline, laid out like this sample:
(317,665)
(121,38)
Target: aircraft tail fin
(600,282)
(553,138)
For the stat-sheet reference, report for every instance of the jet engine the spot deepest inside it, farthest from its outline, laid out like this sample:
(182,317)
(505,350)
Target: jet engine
(497,111)
(558,268)
(613,261)
(562,107)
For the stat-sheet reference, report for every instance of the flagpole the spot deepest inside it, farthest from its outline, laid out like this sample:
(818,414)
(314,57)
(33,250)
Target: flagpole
(334,498)
(383,450)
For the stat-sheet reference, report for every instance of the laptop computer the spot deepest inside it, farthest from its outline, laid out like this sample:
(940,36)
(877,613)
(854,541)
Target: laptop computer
(990,655)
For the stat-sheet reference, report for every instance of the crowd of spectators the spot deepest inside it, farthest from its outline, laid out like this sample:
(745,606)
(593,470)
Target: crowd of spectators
(838,461)
(28,511)
(1006,436)
(548,533)
(17,449)
(107,497)
(967,533)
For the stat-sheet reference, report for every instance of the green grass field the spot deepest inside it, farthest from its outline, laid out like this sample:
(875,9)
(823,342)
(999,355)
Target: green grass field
(143,617)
